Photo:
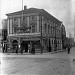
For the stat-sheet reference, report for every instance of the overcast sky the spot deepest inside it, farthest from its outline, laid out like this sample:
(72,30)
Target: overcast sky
(61,9)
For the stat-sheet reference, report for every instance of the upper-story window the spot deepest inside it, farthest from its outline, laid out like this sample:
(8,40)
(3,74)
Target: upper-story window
(52,42)
(51,30)
(59,33)
(51,22)
(15,20)
(15,29)
(48,28)
(24,18)
(33,18)
(45,27)
(33,28)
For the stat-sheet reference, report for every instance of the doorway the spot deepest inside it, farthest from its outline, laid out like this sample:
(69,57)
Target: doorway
(24,46)
(15,45)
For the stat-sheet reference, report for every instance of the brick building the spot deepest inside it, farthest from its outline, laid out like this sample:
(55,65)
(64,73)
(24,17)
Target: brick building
(30,26)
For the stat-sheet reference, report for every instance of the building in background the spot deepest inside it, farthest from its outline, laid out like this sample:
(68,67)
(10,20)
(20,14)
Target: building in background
(34,27)
(63,36)
(71,39)
(0,38)
(4,34)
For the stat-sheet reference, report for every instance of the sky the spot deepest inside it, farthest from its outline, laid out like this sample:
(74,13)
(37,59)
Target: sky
(62,9)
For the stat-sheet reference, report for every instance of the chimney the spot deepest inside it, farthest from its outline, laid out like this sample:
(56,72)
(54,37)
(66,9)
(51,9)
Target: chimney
(25,7)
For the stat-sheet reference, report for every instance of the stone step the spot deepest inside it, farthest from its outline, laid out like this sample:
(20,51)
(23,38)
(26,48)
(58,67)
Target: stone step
(37,50)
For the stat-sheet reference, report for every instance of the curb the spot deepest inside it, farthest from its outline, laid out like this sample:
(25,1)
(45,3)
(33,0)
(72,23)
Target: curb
(58,51)
(36,53)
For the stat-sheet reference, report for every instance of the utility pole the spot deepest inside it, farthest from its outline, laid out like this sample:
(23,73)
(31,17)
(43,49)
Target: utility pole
(41,36)
(22,10)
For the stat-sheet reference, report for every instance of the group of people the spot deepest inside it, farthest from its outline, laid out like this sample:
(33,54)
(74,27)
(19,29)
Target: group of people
(32,51)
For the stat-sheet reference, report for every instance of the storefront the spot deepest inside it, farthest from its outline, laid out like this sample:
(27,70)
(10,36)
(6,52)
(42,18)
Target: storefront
(25,42)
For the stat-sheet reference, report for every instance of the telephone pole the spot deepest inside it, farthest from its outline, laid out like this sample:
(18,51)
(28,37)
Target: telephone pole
(41,36)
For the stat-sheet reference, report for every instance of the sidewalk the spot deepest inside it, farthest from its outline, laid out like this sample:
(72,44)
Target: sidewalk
(53,54)
(38,53)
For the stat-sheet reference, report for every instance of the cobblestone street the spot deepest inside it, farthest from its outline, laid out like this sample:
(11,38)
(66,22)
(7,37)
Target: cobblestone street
(46,64)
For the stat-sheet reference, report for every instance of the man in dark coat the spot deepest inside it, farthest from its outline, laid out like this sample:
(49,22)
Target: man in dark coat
(21,49)
(33,50)
(68,49)
(16,48)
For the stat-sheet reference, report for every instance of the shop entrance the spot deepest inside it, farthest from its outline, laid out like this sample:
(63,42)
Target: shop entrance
(15,45)
(24,46)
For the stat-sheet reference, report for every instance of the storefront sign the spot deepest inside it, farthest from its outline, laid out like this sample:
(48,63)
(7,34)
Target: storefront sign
(19,34)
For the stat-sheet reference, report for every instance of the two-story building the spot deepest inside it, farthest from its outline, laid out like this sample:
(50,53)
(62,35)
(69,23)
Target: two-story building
(28,27)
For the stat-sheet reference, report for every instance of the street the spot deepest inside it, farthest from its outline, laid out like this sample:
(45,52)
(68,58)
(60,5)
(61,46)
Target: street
(60,63)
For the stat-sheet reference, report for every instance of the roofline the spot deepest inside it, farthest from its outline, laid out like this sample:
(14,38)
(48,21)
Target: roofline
(42,10)
(52,16)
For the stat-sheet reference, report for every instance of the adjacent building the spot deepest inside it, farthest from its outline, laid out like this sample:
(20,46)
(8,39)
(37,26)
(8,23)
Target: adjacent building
(4,34)
(0,37)
(63,36)
(4,29)
(36,27)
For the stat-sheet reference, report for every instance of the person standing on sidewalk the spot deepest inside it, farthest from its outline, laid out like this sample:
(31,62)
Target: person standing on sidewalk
(16,48)
(68,49)
(33,50)
(21,49)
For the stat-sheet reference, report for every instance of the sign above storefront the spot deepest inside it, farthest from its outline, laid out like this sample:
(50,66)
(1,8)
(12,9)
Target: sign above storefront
(21,34)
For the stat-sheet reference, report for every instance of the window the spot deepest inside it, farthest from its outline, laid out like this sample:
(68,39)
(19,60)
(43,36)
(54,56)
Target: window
(33,28)
(24,18)
(15,20)
(45,27)
(52,41)
(48,28)
(51,30)
(33,18)
(15,29)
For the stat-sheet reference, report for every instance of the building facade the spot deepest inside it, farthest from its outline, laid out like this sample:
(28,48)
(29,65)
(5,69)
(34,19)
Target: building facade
(28,27)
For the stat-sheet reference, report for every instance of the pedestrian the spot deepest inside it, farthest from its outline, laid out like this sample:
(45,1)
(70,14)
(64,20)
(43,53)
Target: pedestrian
(3,49)
(68,49)
(21,49)
(16,49)
(33,50)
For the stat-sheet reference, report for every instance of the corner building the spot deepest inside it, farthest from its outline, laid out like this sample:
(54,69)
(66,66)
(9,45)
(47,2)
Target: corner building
(40,22)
